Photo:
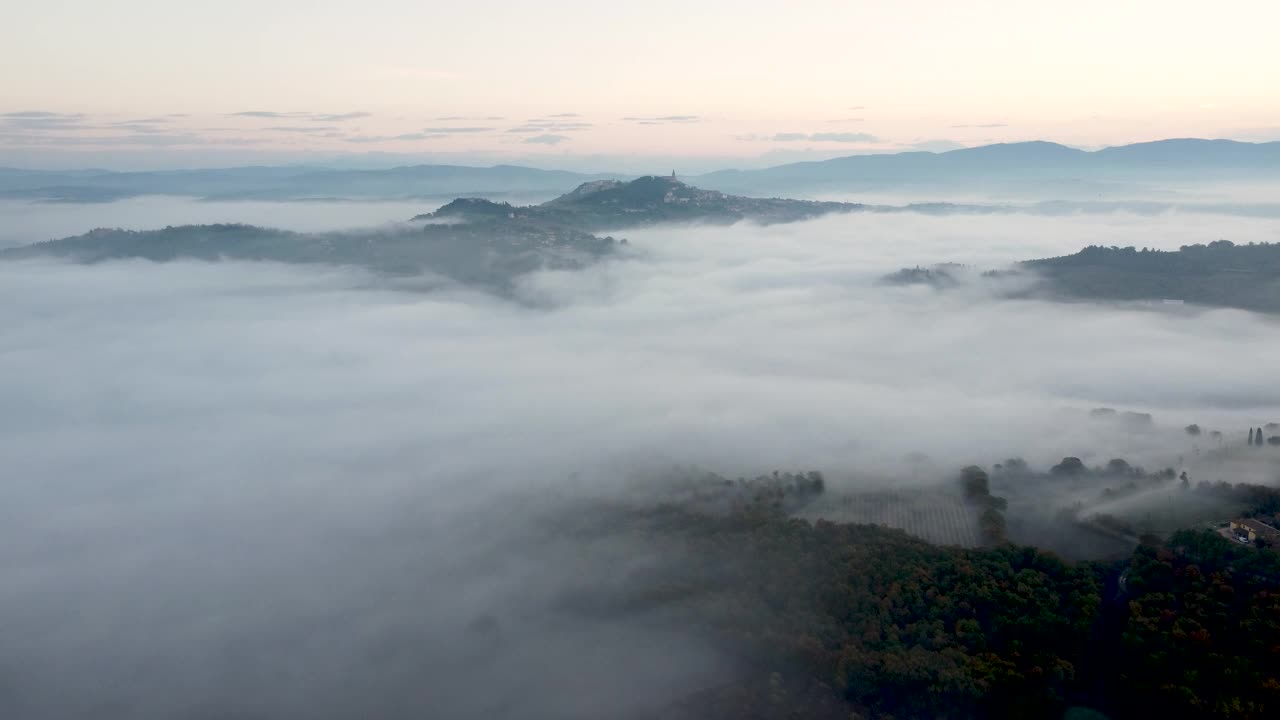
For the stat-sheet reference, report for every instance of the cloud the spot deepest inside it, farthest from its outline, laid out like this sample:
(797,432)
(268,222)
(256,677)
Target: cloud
(40,120)
(465,118)
(40,115)
(301,128)
(459,130)
(139,126)
(565,115)
(266,114)
(158,120)
(985,125)
(135,139)
(832,137)
(663,119)
(394,138)
(549,126)
(338,117)
(546,139)
(848,119)
(254,468)
(314,117)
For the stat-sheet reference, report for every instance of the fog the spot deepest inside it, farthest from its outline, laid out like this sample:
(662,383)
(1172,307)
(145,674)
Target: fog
(28,222)
(253,490)
(1235,197)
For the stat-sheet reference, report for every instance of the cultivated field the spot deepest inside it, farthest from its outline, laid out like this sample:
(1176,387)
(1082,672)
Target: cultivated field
(936,517)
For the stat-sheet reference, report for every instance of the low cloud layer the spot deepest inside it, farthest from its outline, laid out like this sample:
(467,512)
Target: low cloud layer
(663,119)
(452,130)
(257,490)
(547,139)
(317,117)
(42,120)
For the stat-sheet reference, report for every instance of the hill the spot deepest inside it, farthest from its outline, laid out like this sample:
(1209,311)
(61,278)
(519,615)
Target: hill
(1218,274)
(836,620)
(491,255)
(649,200)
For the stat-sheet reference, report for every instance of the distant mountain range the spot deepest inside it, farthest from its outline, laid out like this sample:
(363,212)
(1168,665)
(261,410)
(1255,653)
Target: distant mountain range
(1046,164)
(290,183)
(1185,159)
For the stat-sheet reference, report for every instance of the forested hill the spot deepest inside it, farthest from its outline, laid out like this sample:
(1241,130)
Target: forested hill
(490,255)
(840,621)
(1220,274)
(650,200)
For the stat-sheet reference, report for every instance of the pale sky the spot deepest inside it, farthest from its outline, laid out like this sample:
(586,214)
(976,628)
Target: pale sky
(725,80)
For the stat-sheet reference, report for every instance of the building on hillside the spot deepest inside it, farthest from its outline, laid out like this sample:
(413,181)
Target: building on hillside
(1250,530)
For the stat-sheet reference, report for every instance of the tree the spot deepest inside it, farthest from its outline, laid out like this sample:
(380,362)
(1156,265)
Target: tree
(1016,466)
(1258,438)
(992,526)
(1068,466)
(975,483)
(1273,440)
(1193,429)
(1119,466)
(1250,436)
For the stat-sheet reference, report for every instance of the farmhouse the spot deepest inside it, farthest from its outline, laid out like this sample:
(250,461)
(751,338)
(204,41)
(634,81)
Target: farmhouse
(1250,530)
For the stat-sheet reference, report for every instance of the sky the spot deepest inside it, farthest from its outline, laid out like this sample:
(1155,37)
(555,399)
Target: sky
(573,82)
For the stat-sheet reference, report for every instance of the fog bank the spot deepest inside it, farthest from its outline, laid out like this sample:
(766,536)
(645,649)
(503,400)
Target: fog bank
(264,491)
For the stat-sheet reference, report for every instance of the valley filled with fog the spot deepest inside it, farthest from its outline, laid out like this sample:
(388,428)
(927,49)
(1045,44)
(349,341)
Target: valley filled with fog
(639,361)
(263,490)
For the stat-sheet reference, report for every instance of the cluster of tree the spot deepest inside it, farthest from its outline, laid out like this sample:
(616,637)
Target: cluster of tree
(1201,630)
(1220,273)
(490,255)
(1115,468)
(1258,500)
(1257,438)
(939,276)
(975,484)
(1134,419)
(1113,524)
(840,621)
(709,491)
